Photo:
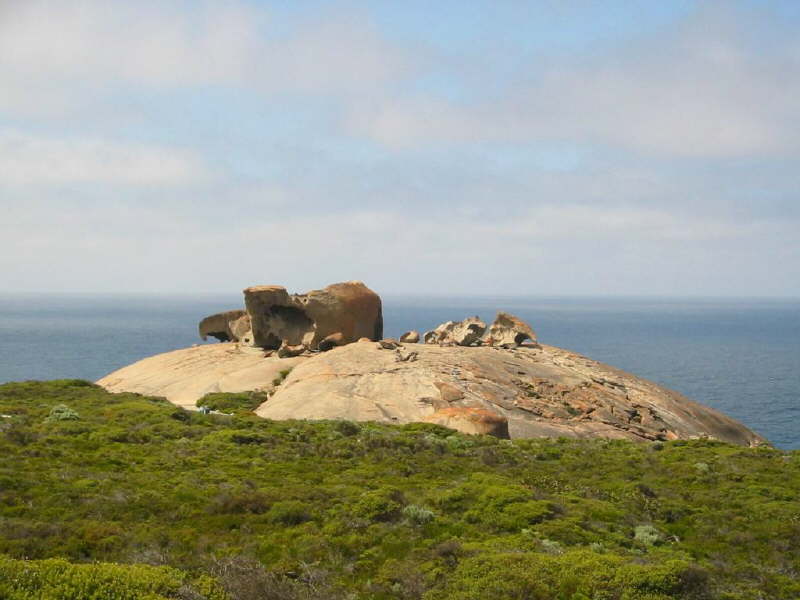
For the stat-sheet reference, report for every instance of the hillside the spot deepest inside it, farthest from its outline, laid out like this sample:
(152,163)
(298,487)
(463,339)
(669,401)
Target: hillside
(244,508)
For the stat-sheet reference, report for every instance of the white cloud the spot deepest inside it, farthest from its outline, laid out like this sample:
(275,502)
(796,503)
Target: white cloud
(27,160)
(57,57)
(703,89)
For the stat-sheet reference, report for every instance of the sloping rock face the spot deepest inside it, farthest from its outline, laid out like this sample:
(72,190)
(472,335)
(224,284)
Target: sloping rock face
(541,392)
(184,376)
(277,317)
(526,391)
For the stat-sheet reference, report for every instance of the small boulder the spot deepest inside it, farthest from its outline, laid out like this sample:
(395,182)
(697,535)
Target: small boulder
(287,351)
(457,333)
(508,331)
(331,341)
(448,392)
(410,337)
(388,344)
(471,420)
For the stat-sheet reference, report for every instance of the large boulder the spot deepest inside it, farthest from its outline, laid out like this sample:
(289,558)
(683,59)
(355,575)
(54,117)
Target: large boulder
(279,318)
(225,326)
(508,330)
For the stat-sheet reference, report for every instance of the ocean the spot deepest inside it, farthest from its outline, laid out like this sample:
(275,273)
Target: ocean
(741,357)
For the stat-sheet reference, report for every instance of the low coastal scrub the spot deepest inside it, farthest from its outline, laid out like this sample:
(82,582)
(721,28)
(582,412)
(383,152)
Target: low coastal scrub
(126,496)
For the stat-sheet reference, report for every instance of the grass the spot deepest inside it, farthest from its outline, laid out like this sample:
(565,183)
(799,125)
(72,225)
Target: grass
(244,508)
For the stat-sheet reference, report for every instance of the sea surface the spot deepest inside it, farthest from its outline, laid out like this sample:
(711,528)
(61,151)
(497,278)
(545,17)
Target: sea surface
(739,356)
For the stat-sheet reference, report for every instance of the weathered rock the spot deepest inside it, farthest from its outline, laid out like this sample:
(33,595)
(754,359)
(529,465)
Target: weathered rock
(241,330)
(458,333)
(184,376)
(220,326)
(287,350)
(449,392)
(331,341)
(349,308)
(410,337)
(508,330)
(541,391)
(471,420)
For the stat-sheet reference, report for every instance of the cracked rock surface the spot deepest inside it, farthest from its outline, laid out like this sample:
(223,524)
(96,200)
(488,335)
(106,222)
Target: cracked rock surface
(541,391)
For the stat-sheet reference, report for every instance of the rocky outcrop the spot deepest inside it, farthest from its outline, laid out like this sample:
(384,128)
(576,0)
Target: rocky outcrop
(225,326)
(496,380)
(541,391)
(184,376)
(410,337)
(508,330)
(457,333)
(274,318)
(471,420)
(349,308)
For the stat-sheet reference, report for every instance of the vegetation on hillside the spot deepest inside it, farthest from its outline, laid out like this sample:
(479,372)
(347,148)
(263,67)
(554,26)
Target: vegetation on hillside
(125,496)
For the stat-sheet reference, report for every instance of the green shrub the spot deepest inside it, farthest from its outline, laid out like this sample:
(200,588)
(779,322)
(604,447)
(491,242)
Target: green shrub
(647,535)
(230,402)
(62,412)
(289,512)
(418,515)
(570,576)
(297,510)
(383,504)
(347,428)
(57,579)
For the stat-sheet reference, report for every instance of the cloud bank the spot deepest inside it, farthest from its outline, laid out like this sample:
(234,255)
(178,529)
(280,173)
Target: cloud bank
(179,146)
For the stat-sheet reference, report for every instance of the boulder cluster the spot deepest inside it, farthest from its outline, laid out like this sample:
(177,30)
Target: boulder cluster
(292,325)
(299,350)
(507,331)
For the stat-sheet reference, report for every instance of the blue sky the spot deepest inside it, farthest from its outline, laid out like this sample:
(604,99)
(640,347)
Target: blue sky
(553,148)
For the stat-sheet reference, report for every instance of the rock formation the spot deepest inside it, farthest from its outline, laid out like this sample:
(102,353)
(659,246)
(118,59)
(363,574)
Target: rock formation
(274,318)
(223,326)
(457,333)
(496,380)
(541,391)
(471,420)
(508,330)
(410,337)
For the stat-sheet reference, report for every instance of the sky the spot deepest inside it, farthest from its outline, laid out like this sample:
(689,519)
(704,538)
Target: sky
(549,148)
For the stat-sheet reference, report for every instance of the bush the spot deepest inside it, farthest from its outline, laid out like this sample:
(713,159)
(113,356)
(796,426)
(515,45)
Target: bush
(571,576)
(289,512)
(57,579)
(418,515)
(318,512)
(231,403)
(62,412)
(383,504)
(647,535)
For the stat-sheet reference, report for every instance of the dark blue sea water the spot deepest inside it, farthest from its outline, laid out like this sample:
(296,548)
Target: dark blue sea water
(739,356)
